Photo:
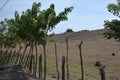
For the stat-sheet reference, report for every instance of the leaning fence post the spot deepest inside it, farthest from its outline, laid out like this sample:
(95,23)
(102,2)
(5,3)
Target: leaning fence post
(63,67)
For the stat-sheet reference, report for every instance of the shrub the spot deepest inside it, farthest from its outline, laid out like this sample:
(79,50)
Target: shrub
(69,30)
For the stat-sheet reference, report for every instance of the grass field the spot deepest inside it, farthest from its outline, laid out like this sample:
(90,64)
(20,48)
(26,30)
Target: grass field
(95,48)
(92,51)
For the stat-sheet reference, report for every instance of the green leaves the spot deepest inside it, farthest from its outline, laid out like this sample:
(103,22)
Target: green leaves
(113,26)
(35,9)
(114,29)
(34,24)
(114,8)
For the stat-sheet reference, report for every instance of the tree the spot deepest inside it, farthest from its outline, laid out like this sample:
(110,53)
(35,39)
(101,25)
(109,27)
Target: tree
(69,30)
(33,25)
(48,20)
(114,29)
(27,29)
(114,25)
(2,29)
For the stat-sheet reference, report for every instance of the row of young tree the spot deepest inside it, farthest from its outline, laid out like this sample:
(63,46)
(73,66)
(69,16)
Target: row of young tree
(30,29)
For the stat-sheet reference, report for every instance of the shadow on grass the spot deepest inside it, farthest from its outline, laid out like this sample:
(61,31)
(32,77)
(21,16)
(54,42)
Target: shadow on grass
(11,72)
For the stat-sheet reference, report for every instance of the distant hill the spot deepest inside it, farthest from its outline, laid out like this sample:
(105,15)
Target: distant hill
(82,35)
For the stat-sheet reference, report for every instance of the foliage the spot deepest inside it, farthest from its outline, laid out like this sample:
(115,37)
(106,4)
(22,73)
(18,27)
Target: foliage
(114,25)
(69,30)
(114,29)
(114,8)
(32,27)
(34,24)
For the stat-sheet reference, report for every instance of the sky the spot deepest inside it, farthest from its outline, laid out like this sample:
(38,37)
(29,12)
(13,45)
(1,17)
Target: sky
(86,15)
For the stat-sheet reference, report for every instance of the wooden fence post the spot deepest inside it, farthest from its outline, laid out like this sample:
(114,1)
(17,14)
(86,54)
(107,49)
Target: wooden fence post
(67,66)
(63,67)
(56,60)
(102,72)
(40,67)
(81,61)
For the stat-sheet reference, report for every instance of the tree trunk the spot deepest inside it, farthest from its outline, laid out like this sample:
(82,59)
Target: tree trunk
(13,56)
(6,52)
(56,61)
(0,50)
(81,61)
(40,67)
(67,59)
(30,65)
(22,58)
(17,55)
(36,58)
(44,48)
(31,60)
(26,62)
(34,65)
(9,55)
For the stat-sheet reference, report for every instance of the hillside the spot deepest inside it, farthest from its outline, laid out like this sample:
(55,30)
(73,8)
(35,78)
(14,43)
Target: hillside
(83,35)
(95,48)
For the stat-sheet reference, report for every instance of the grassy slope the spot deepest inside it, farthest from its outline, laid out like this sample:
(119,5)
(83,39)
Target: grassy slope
(95,48)
(92,51)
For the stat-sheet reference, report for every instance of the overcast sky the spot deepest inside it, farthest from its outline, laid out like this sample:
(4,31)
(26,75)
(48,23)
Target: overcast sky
(87,14)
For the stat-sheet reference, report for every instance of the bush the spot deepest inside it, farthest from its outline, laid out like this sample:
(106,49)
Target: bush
(69,30)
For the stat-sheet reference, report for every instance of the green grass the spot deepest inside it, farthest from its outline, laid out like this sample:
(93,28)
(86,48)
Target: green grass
(74,71)
(51,68)
(2,61)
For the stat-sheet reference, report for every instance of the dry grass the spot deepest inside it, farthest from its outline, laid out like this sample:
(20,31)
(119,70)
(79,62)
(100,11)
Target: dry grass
(92,51)
(95,48)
